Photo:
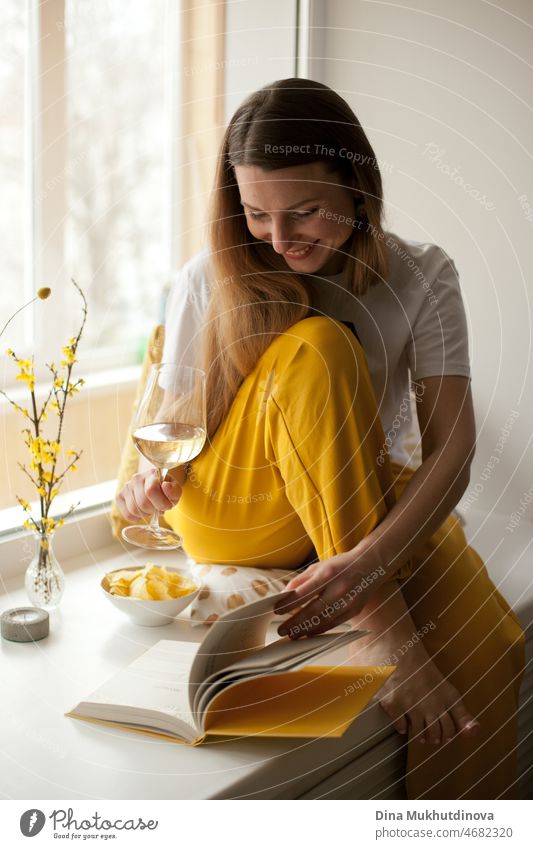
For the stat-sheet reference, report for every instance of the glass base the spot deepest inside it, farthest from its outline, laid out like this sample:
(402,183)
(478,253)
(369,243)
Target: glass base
(145,537)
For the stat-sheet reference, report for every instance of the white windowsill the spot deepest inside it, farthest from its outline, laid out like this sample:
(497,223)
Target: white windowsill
(90,499)
(88,529)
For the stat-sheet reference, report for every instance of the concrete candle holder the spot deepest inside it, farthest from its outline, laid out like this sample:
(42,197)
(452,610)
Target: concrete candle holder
(25,624)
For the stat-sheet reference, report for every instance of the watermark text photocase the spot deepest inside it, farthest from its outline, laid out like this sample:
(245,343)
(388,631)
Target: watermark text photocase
(516,515)
(436,155)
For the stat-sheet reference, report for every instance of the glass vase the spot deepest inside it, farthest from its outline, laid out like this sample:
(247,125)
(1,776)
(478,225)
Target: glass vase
(45,579)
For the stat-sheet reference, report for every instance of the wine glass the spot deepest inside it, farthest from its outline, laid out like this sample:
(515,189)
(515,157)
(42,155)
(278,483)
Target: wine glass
(169,429)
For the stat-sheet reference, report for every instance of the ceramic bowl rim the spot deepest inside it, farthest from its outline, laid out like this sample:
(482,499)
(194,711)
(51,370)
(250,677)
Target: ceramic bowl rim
(175,569)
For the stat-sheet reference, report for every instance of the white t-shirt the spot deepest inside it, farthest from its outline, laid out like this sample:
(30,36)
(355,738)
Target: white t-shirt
(412,326)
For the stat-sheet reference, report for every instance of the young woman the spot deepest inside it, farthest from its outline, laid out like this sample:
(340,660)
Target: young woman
(310,321)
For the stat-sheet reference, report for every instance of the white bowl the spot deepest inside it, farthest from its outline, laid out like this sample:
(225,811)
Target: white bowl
(148,611)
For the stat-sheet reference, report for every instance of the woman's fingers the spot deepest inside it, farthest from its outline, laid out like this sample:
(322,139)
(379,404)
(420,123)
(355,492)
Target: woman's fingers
(142,489)
(311,581)
(336,600)
(127,503)
(305,590)
(172,492)
(156,496)
(345,582)
(339,586)
(301,623)
(317,616)
(122,500)
(143,494)
(299,579)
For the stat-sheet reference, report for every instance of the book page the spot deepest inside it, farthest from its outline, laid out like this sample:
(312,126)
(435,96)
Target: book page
(318,701)
(285,653)
(156,682)
(234,635)
(279,656)
(280,652)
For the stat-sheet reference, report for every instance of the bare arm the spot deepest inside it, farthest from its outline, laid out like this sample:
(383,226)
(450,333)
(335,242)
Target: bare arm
(447,427)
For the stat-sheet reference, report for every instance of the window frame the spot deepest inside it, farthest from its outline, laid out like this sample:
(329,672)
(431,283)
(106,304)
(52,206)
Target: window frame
(46,170)
(45,174)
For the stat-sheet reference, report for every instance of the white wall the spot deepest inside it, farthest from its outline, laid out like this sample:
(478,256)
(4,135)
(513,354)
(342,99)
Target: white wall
(456,76)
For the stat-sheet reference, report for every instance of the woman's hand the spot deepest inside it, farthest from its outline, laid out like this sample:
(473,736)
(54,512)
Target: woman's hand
(333,591)
(143,495)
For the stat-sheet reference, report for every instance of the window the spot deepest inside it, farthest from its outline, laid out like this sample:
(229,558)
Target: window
(110,133)
(112,116)
(14,161)
(118,178)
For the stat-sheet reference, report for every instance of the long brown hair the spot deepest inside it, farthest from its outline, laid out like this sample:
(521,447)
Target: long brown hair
(254,297)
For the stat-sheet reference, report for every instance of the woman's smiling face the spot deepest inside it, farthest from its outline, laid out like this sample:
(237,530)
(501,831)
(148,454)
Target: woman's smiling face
(298,210)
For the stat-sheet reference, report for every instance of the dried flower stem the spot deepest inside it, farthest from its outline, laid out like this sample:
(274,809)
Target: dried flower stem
(42,294)
(45,452)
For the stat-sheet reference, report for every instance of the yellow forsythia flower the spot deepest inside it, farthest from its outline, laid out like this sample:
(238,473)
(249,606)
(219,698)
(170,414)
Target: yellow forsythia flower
(44,452)
(28,378)
(70,356)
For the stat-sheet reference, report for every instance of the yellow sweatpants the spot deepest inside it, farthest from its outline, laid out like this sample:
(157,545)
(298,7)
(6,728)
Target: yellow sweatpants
(293,469)
(479,645)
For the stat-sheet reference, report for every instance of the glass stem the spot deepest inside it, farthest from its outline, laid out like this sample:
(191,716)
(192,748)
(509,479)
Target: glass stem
(154,521)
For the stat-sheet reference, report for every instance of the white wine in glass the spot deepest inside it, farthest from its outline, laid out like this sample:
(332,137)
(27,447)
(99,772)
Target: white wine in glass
(169,429)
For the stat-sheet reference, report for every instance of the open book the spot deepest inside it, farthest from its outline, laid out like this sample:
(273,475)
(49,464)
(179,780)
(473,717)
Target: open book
(232,684)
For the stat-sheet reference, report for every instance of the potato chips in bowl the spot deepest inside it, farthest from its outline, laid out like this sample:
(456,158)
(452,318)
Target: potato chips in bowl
(150,595)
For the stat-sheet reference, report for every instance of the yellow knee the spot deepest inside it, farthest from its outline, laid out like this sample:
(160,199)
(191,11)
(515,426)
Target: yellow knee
(319,341)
